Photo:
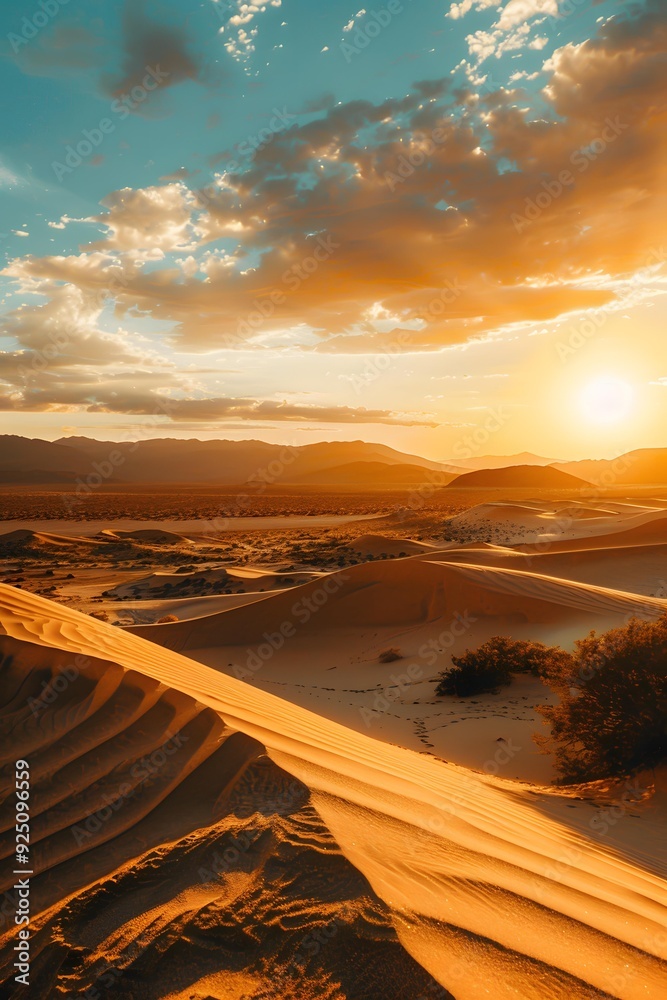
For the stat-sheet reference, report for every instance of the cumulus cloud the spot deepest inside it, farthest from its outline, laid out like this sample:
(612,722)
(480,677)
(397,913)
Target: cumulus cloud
(519,11)
(459,10)
(510,32)
(64,331)
(147,219)
(241,44)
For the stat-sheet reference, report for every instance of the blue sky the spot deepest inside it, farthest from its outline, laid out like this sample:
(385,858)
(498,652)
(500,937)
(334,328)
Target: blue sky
(293,116)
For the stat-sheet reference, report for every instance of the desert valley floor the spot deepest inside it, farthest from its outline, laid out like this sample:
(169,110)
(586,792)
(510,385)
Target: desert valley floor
(262,796)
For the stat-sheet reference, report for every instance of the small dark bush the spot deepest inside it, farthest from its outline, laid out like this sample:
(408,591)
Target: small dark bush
(390,655)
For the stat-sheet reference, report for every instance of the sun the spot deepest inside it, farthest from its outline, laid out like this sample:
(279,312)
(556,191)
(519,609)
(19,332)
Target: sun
(607,400)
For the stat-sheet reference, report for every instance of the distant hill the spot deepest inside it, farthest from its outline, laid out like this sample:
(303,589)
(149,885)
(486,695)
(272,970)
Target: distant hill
(22,459)
(373,474)
(498,461)
(646,466)
(169,460)
(532,476)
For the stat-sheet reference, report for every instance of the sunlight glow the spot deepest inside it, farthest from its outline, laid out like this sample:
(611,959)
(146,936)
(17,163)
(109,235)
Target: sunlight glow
(607,400)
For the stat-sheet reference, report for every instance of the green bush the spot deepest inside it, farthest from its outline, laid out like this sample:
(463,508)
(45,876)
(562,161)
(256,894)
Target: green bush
(490,667)
(612,715)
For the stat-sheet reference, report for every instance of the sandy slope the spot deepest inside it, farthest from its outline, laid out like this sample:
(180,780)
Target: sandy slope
(638,569)
(144,612)
(483,882)
(380,545)
(551,522)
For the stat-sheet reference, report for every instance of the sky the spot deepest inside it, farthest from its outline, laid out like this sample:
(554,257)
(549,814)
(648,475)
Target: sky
(434,225)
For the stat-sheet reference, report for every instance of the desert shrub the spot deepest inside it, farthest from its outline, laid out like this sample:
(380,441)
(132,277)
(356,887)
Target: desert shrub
(472,674)
(390,655)
(167,619)
(612,715)
(522,656)
(490,667)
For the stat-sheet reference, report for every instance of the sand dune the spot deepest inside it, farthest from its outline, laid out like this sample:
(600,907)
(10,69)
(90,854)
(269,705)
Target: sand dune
(153,535)
(197,836)
(526,516)
(639,569)
(25,540)
(379,545)
(220,579)
(534,588)
(551,523)
(191,527)
(320,645)
(417,867)
(402,594)
(639,529)
(144,612)
(584,511)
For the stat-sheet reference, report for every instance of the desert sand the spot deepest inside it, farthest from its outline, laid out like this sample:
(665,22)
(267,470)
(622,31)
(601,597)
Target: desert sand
(247,803)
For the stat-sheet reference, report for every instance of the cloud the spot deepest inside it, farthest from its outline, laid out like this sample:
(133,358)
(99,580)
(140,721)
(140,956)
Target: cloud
(67,49)
(459,10)
(126,397)
(64,332)
(8,178)
(148,218)
(252,409)
(241,44)
(511,31)
(65,362)
(409,207)
(355,17)
(315,105)
(520,11)
(148,45)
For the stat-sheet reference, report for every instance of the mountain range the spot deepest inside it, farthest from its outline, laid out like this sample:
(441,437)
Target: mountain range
(168,460)
(328,463)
